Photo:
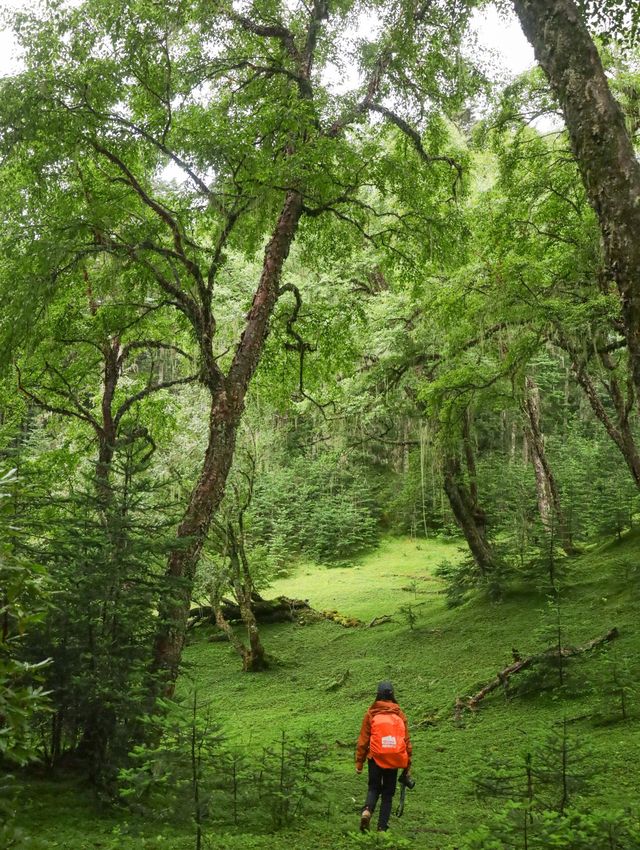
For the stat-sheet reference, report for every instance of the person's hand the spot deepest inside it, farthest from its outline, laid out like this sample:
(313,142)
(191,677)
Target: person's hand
(358,770)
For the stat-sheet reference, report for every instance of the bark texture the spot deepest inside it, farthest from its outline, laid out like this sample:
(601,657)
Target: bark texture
(549,506)
(617,425)
(228,394)
(469,516)
(600,142)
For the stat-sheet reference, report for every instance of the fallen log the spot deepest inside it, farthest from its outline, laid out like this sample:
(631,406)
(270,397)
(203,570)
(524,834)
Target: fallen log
(342,619)
(379,621)
(278,610)
(519,664)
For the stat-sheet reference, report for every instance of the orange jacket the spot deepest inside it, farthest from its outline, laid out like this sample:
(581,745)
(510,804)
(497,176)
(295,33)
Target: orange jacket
(362,747)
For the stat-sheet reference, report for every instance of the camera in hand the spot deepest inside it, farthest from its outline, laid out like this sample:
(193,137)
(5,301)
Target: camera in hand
(407,779)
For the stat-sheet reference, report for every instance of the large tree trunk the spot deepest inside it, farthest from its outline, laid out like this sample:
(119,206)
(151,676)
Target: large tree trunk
(192,531)
(256,659)
(469,516)
(225,626)
(600,142)
(107,432)
(228,396)
(549,506)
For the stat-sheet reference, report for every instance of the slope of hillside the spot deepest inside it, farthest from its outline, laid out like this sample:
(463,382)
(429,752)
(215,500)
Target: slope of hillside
(324,676)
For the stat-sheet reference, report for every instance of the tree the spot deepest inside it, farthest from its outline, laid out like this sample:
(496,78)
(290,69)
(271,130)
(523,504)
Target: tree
(24,597)
(549,506)
(229,531)
(468,514)
(600,142)
(105,340)
(260,145)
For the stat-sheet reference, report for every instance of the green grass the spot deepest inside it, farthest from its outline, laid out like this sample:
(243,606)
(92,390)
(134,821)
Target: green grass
(361,589)
(451,652)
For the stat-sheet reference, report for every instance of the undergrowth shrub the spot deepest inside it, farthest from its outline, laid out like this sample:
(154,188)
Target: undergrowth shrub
(105,552)
(539,802)
(191,771)
(25,596)
(463,578)
(291,776)
(541,568)
(323,508)
(546,776)
(514,828)
(617,689)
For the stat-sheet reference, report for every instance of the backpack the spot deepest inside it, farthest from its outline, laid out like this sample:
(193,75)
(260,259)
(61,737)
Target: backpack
(387,745)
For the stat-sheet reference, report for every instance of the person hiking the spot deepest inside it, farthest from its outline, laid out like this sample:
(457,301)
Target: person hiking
(385,745)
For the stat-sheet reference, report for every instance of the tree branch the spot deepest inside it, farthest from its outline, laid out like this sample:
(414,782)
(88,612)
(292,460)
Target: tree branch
(51,408)
(277,31)
(160,210)
(414,136)
(147,391)
(300,345)
(160,144)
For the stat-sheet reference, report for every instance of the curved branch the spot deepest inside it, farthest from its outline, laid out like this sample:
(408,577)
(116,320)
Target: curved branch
(414,136)
(300,346)
(181,299)
(52,408)
(159,209)
(147,391)
(69,393)
(277,31)
(161,145)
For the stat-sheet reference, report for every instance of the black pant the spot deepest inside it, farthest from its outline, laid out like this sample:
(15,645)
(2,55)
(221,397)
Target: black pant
(382,781)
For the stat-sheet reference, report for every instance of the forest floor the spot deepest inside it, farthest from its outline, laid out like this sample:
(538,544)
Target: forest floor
(324,677)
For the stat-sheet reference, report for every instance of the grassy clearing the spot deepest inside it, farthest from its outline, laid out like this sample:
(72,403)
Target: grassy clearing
(449,652)
(363,589)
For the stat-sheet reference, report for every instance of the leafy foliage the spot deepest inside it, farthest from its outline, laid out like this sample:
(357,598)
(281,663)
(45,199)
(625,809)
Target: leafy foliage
(24,597)
(322,508)
(105,563)
(193,771)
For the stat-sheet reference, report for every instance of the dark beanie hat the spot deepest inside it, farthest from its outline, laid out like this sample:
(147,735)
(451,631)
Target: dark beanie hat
(385,690)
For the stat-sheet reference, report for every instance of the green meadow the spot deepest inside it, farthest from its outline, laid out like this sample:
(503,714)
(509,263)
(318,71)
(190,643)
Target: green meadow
(324,675)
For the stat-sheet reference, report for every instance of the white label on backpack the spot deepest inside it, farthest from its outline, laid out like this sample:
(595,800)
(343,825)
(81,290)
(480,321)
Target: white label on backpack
(389,742)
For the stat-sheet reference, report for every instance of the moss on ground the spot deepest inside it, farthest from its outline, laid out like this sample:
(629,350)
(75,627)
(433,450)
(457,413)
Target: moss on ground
(449,652)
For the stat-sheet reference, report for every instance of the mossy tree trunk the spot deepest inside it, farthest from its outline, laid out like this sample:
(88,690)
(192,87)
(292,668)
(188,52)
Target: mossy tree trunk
(548,496)
(469,515)
(601,145)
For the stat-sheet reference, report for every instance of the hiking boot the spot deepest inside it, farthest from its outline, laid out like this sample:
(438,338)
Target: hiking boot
(382,828)
(365,819)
